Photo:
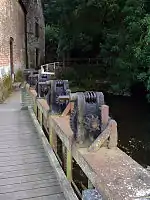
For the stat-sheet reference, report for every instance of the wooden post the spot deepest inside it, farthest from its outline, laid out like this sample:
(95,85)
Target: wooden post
(54,141)
(52,136)
(105,118)
(35,108)
(105,114)
(90,185)
(113,139)
(69,165)
(64,161)
(38,113)
(23,93)
(69,108)
(40,117)
(50,131)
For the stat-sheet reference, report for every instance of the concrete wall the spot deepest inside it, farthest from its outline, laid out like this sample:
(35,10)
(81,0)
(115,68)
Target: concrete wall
(11,25)
(35,14)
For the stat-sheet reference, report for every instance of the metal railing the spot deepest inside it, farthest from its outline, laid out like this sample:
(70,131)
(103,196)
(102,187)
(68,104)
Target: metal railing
(51,67)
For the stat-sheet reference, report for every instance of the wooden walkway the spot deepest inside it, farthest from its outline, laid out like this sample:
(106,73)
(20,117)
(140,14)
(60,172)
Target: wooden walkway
(25,171)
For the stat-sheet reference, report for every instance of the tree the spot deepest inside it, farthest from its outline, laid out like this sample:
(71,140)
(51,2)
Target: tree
(117,31)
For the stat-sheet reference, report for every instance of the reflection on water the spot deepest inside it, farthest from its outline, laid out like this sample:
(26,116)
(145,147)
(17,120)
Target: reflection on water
(133,119)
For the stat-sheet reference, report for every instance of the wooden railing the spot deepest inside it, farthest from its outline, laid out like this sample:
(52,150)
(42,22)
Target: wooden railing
(115,175)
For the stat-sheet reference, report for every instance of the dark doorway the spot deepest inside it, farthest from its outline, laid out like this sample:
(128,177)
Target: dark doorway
(11,56)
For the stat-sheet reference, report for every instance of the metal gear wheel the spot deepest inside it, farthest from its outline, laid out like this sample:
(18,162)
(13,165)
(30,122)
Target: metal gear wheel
(92,123)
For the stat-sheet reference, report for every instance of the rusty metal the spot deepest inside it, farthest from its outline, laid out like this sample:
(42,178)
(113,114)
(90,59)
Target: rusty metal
(57,88)
(42,86)
(85,119)
(30,76)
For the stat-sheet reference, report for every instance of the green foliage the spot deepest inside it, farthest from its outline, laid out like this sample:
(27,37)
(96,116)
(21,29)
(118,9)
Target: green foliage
(51,34)
(117,31)
(5,88)
(19,76)
(7,83)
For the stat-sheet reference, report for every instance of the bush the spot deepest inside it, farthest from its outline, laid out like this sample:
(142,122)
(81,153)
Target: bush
(5,88)
(19,76)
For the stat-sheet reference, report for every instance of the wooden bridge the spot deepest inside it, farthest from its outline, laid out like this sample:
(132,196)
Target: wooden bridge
(25,170)
(31,168)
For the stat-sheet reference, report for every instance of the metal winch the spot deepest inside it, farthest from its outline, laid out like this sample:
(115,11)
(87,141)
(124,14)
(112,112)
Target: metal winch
(33,78)
(85,119)
(26,73)
(57,88)
(30,75)
(42,83)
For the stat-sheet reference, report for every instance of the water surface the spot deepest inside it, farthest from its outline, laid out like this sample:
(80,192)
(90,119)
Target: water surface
(133,119)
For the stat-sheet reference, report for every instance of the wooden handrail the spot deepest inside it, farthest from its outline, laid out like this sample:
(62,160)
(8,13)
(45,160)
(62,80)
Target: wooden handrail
(112,172)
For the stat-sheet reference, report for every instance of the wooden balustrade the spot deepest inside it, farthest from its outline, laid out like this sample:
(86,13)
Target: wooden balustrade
(114,174)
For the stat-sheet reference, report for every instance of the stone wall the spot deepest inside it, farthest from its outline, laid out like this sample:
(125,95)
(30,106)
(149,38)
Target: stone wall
(35,15)
(12,23)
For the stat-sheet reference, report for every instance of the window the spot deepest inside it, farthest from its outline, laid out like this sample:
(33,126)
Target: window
(11,56)
(36,30)
(36,57)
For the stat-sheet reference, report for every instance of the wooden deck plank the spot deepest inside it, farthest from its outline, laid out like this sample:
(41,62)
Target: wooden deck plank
(21,148)
(26,179)
(25,171)
(20,160)
(38,192)
(28,186)
(24,167)
(19,143)
(49,197)
(27,153)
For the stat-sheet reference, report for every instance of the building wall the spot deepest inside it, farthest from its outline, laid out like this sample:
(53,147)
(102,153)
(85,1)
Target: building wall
(12,23)
(35,15)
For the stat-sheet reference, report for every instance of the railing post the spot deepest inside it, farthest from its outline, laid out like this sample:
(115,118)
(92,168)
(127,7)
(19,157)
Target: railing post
(52,137)
(90,185)
(35,108)
(69,165)
(50,133)
(41,117)
(23,93)
(64,152)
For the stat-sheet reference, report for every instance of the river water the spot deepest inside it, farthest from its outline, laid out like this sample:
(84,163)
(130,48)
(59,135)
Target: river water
(133,118)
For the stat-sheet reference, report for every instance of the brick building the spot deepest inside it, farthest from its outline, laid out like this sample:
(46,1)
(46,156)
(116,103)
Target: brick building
(22,41)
